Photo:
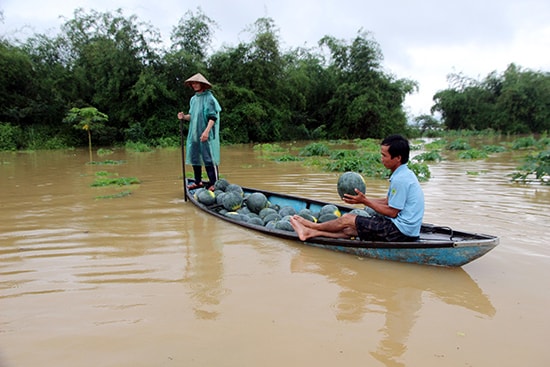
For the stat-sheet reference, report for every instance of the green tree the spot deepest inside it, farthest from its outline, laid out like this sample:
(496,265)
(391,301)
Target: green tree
(366,102)
(193,34)
(17,85)
(88,119)
(517,101)
(108,53)
(428,124)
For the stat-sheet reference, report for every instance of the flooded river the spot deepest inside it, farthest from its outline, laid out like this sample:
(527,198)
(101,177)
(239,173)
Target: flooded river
(148,280)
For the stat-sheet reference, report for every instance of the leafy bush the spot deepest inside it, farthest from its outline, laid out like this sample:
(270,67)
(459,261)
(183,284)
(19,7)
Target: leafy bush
(473,154)
(436,145)
(168,142)
(103,151)
(138,147)
(421,170)
(115,181)
(535,166)
(9,136)
(459,144)
(267,147)
(315,149)
(493,148)
(524,142)
(288,158)
(432,156)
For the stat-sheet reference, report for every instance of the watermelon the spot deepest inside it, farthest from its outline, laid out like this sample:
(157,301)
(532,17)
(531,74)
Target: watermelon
(348,182)
(243,210)
(270,225)
(256,202)
(235,188)
(219,198)
(272,217)
(287,210)
(326,217)
(256,221)
(284,225)
(206,197)
(306,214)
(237,216)
(232,201)
(362,212)
(266,211)
(221,184)
(197,192)
(329,209)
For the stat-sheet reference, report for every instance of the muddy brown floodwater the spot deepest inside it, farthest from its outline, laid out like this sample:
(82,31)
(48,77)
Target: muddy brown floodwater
(148,280)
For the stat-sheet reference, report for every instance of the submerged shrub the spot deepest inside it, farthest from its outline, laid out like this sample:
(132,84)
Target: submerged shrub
(315,149)
(459,144)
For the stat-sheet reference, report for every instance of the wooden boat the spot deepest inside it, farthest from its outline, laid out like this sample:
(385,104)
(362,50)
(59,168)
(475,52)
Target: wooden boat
(438,245)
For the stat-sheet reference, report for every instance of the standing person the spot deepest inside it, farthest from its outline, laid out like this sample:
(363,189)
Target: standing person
(203,139)
(399,214)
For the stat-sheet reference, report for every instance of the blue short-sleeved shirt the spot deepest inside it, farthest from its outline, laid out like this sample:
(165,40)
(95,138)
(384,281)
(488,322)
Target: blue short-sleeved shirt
(406,195)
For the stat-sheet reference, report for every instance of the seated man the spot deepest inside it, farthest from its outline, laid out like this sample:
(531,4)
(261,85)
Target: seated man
(400,212)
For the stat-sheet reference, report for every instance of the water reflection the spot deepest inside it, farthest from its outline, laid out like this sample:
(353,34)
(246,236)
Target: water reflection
(204,267)
(395,291)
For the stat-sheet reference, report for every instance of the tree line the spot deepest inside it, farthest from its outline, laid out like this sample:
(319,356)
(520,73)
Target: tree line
(516,101)
(118,65)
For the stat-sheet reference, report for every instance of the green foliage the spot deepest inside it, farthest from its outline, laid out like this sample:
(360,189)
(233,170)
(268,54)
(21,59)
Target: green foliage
(436,145)
(88,119)
(472,154)
(535,168)
(431,156)
(493,148)
(524,142)
(138,147)
(109,162)
(421,170)
(9,136)
(288,158)
(338,89)
(103,151)
(168,142)
(429,126)
(315,149)
(367,163)
(115,181)
(118,195)
(518,101)
(459,144)
(268,147)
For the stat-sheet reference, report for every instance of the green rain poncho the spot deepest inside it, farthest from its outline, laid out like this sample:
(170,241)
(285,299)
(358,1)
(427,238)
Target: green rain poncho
(202,106)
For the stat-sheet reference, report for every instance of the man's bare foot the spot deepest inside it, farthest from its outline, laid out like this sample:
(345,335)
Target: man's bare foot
(302,231)
(303,221)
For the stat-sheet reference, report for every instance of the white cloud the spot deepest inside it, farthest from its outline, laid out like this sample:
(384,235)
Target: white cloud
(423,40)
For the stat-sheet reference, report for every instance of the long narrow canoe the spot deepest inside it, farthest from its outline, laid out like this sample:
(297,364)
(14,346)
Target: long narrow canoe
(438,245)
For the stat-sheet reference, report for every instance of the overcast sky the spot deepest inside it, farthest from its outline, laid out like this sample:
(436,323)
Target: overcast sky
(422,40)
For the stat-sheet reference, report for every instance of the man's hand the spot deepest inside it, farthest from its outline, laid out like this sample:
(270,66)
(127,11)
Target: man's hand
(355,199)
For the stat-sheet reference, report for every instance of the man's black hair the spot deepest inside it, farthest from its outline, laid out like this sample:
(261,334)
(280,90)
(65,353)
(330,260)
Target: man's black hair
(397,146)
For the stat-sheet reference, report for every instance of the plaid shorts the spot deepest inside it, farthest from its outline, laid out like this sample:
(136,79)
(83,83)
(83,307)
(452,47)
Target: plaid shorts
(379,228)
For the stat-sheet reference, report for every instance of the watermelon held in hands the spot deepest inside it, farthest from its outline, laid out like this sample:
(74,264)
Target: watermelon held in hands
(348,182)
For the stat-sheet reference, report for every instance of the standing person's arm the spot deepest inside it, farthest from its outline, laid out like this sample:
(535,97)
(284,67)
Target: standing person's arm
(206,132)
(182,116)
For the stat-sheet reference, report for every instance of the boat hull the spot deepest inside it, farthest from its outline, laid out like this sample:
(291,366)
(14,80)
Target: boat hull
(438,245)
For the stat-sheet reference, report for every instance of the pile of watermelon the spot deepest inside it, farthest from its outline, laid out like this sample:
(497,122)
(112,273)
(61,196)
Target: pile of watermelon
(254,208)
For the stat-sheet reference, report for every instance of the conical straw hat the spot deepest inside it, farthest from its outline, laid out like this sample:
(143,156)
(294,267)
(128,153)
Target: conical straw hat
(198,78)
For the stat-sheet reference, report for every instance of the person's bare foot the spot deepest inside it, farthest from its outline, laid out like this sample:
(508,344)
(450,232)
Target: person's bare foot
(303,221)
(301,230)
